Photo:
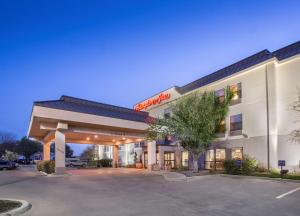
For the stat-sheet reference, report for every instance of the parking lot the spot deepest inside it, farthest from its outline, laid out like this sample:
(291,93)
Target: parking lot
(136,192)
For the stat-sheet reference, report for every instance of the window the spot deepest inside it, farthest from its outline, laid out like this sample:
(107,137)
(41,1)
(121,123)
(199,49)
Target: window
(236,124)
(221,128)
(167,113)
(169,159)
(237,153)
(214,159)
(220,95)
(185,159)
(145,159)
(209,159)
(220,158)
(237,93)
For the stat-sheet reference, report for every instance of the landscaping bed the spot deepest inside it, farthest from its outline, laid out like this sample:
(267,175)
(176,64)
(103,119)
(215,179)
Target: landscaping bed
(7,205)
(293,176)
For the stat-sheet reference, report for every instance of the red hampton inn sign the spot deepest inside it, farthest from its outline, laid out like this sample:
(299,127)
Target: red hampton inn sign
(152,102)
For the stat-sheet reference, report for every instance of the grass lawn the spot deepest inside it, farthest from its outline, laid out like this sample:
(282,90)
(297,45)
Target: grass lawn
(7,205)
(277,175)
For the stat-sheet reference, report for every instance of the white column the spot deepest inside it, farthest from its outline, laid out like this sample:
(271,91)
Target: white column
(60,148)
(151,149)
(46,151)
(115,156)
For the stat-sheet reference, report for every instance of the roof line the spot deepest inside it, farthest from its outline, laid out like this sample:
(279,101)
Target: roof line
(94,103)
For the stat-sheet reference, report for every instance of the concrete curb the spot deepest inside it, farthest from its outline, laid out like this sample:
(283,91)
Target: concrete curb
(55,175)
(171,176)
(26,206)
(259,177)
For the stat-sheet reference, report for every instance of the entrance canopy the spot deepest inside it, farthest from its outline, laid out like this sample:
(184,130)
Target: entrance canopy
(74,120)
(86,122)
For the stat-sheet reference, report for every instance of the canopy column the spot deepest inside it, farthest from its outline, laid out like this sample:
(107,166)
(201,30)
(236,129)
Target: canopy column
(115,156)
(46,151)
(60,148)
(151,149)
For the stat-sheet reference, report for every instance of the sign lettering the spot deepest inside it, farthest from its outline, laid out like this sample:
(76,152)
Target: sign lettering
(152,102)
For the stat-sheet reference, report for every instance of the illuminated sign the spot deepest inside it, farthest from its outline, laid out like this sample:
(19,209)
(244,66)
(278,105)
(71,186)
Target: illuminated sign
(152,102)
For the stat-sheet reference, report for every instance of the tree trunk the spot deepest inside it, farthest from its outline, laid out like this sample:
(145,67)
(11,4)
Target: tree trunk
(195,162)
(195,165)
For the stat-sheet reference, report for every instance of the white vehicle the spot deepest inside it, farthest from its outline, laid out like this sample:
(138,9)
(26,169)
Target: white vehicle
(72,162)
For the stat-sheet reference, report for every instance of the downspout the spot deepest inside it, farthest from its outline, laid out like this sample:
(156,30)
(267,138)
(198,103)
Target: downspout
(268,123)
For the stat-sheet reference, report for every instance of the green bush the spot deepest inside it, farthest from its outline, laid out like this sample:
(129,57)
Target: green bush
(106,162)
(46,166)
(249,165)
(231,167)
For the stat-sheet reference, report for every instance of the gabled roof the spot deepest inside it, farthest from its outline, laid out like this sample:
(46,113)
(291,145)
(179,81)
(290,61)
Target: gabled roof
(281,54)
(288,51)
(91,107)
(227,71)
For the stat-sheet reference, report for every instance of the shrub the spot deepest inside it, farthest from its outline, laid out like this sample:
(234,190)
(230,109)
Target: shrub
(260,168)
(249,165)
(105,162)
(46,166)
(231,167)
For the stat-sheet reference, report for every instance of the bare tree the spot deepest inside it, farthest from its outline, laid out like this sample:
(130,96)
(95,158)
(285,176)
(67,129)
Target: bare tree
(6,138)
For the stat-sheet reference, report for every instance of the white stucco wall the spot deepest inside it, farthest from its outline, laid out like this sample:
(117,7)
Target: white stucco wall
(283,77)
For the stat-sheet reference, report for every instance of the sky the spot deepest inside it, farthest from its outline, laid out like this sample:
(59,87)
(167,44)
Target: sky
(121,52)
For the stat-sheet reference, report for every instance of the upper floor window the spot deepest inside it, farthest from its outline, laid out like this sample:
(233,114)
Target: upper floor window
(220,95)
(236,89)
(167,113)
(236,124)
(221,129)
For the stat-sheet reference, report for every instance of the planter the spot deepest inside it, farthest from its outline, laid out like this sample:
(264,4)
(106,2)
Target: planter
(18,207)
(139,165)
(155,167)
(168,167)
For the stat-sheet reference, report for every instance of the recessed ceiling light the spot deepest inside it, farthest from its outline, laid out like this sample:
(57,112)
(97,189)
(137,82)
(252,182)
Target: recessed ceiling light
(96,136)
(114,140)
(123,138)
(87,138)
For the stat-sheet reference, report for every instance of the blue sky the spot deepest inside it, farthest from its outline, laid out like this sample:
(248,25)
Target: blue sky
(121,52)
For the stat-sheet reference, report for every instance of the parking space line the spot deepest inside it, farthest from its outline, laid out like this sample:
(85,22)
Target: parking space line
(288,193)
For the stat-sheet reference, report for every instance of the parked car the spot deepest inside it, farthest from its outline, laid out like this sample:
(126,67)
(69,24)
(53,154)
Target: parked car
(73,162)
(8,165)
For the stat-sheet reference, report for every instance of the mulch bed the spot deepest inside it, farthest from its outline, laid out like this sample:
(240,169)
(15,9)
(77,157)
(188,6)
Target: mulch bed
(7,205)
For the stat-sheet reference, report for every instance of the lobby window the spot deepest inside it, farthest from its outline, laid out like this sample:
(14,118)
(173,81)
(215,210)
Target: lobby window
(237,93)
(220,95)
(237,153)
(185,158)
(210,159)
(169,159)
(145,159)
(220,158)
(236,124)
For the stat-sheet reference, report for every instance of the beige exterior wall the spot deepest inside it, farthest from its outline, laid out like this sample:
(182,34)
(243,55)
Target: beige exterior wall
(283,78)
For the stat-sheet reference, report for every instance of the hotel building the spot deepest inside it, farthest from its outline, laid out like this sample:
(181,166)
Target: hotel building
(259,123)
(260,119)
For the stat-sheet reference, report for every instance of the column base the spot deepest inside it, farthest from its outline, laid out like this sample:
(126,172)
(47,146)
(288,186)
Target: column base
(60,170)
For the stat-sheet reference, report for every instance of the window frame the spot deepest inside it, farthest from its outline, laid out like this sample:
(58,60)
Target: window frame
(238,93)
(236,130)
